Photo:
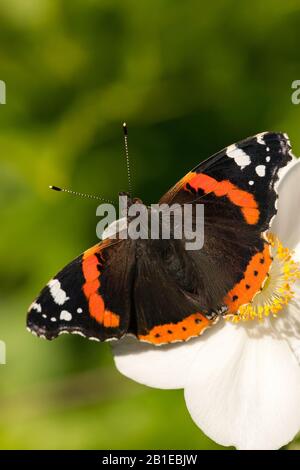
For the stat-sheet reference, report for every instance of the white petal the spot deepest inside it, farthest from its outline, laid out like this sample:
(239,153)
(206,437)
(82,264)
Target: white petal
(159,366)
(287,325)
(286,169)
(286,224)
(245,390)
(296,254)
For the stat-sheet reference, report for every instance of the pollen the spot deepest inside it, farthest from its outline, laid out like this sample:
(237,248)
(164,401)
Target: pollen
(277,289)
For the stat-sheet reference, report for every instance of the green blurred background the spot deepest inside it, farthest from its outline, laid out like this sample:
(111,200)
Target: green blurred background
(189,78)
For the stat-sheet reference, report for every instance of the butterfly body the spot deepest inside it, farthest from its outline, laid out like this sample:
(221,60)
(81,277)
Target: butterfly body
(156,289)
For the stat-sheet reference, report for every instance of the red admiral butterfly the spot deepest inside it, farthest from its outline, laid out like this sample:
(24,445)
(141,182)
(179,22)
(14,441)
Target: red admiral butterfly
(157,290)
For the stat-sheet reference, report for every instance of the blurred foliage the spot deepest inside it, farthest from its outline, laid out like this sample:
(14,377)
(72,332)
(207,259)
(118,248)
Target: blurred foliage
(189,77)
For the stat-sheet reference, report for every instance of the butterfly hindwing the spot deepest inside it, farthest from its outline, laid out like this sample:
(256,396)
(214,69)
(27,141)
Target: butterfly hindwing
(168,294)
(90,296)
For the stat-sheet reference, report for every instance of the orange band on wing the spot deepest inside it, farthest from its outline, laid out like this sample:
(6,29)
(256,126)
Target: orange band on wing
(111,320)
(238,197)
(193,325)
(96,307)
(91,274)
(253,280)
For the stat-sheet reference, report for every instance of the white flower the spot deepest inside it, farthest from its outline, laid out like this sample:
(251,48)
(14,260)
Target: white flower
(241,380)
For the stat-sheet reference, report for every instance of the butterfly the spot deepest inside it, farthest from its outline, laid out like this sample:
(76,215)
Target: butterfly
(157,290)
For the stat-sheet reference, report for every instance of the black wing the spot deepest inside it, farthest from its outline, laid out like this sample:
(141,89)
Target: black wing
(91,296)
(250,167)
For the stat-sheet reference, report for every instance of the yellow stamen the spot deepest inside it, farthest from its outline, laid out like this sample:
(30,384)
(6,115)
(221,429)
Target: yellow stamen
(276,291)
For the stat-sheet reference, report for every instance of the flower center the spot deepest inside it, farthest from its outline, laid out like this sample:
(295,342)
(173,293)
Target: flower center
(276,291)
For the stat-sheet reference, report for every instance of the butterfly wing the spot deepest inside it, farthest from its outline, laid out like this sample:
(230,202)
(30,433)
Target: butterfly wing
(169,296)
(243,175)
(237,188)
(91,296)
(178,293)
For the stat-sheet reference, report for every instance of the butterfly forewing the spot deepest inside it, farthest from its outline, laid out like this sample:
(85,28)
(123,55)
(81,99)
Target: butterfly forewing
(90,296)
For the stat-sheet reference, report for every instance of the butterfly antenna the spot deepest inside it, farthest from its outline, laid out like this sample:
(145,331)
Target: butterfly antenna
(76,193)
(125,130)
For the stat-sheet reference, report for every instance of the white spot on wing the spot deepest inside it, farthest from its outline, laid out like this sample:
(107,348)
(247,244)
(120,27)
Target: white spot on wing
(240,157)
(79,333)
(44,315)
(260,170)
(79,310)
(58,294)
(53,319)
(36,306)
(251,183)
(268,158)
(65,315)
(260,138)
